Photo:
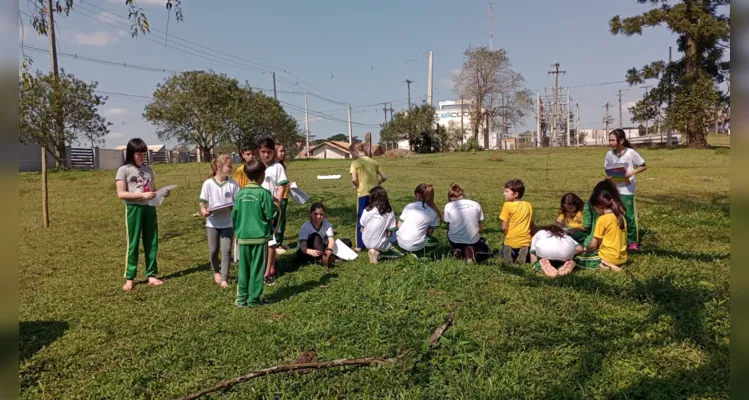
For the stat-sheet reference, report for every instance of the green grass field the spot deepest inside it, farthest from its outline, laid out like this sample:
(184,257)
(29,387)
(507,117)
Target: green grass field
(660,329)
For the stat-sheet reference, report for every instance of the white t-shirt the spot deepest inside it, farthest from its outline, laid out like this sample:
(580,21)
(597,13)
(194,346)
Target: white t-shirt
(416,219)
(275,176)
(464,217)
(216,194)
(632,160)
(545,245)
(325,231)
(375,228)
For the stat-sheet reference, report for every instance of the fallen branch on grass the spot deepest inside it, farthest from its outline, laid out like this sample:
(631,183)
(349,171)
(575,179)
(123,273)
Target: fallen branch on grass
(435,339)
(342,362)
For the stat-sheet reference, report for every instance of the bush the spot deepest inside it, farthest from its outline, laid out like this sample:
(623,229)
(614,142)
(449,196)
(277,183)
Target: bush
(470,146)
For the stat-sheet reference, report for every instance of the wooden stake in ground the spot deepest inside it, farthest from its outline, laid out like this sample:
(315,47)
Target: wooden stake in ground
(435,339)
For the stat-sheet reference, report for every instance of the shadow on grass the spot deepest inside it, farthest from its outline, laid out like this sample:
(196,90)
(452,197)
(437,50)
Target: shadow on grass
(719,203)
(36,335)
(189,271)
(687,256)
(682,306)
(286,292)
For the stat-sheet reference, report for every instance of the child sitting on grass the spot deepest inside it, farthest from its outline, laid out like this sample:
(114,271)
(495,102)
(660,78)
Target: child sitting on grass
(465,222)
(252,216)
(552,250)
(517,223)
(590,260)
(418,222)
(378,227)
(610,234)
(317,239)
(571,216)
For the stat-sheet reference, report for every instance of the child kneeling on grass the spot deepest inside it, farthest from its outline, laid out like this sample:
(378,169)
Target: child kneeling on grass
(590,259)
(418,222)
(571,217)
(317,239)
(517,223)
(252,216)
(552,250)
(465,222)
(378,227)
(610,234)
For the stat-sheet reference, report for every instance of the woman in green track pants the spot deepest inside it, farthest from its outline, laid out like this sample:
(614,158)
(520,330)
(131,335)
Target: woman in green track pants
(135,185)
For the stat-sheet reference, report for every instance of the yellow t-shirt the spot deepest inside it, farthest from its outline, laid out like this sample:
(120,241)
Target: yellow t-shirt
(240,177)
(613,247)
(576,222)
(519,214)
(367,171)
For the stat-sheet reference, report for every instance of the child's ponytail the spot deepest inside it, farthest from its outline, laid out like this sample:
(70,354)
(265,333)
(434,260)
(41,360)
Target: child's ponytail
(604,200)
(621,137)
(455,193)
(425,192)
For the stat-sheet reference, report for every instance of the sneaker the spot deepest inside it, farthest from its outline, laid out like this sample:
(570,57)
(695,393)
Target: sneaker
(270,280)
(633,247)
(328,259)
(470,256)
(458,254)
(280,250)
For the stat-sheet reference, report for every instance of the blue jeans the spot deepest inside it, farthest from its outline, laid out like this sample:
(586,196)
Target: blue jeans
(361,204)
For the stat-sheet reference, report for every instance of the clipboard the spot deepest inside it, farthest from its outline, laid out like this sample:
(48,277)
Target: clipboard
(160,195)
(618,173)
(221,207)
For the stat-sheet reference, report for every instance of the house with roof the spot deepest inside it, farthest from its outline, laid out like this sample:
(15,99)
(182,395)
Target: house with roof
(335,150)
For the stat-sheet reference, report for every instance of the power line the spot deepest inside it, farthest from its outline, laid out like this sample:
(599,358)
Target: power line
(99,61)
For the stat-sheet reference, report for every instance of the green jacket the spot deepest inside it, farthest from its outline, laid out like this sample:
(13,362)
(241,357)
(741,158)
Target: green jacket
(253,214)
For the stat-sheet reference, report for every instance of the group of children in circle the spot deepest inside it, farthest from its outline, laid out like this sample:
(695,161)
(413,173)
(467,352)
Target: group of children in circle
(246,209)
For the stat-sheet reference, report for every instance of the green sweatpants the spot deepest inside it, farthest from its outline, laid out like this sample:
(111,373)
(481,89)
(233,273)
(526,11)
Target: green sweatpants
(630,214)
(429,249)
(252,259)
(281,221)
(141,221)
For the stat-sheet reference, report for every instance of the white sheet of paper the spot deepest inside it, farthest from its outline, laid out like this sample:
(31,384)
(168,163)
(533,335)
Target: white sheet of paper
(156,201)
(328,177)
(344,252)
(298,195)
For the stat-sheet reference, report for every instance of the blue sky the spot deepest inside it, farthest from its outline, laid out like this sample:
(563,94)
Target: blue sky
(350,51)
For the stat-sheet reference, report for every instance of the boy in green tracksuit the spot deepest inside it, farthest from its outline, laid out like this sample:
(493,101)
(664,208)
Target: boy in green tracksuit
(252,216)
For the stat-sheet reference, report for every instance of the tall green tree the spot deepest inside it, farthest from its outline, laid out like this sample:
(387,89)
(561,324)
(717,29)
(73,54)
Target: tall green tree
(419,126)
(692,81)
(39,98)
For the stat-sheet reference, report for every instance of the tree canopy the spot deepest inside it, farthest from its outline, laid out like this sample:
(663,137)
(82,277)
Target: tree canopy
(39,98)
(419,126)
(691,81)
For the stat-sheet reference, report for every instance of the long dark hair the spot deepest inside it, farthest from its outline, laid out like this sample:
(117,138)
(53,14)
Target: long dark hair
(425,192)
(378,197)
(605,200)
(135,145)
(571,199)
(621,136)
(607,185)
(555,230)
(316,206)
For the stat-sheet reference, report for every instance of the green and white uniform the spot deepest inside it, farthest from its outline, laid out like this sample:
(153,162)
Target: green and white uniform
(632,160)
(275,176)
(588,260)
(252,216)
(140,220)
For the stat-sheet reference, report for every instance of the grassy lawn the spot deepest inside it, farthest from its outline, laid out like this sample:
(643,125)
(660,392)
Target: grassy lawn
(719,140)
(660,329)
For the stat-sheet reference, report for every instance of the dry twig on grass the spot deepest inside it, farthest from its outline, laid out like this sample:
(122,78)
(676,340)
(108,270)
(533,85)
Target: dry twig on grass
(435,339)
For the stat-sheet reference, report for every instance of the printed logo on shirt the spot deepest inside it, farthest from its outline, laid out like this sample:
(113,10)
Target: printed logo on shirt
(227,195)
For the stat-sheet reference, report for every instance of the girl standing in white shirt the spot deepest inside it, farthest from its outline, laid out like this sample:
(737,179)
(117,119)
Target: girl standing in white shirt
(418,222)
(465,222)
(623,153)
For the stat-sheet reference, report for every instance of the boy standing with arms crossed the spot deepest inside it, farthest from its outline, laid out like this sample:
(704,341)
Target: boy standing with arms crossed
(252,216)
(517,223)
(365,175)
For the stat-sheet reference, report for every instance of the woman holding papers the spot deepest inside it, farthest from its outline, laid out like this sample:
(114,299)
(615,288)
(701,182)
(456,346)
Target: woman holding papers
(622,164)
(216,201)
(136,186)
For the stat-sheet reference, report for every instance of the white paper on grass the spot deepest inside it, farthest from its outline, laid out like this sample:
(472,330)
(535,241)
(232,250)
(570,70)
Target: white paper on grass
(297,194)
(343,252)
(328,177)
(156,201)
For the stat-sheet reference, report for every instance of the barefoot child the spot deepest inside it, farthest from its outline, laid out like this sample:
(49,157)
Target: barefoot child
(517,223)
(465,222)
(136,186)
(418,221)
(275,182)
(280,157)
(378,227)
(571,216)
(610,234)
(552,250)
(623,153)
(252,215)
(316,238)
(365,174)
(249,152)
(219,190)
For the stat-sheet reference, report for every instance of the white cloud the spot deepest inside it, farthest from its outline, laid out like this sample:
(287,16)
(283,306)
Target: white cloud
(115,111)
(115,135)
(99,38)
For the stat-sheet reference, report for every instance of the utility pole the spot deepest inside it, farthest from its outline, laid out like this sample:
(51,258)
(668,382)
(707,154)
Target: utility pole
(408,83)
(607,119)
(429,79)
(491,34)
(275,95)
(620,110)
(350,133)
(462,134)
(538,118)
(577,123)
(385,110)
(391,111)
(670,82)
(647,104)
(306,122)
(554,126)
(57,126)
(567,117)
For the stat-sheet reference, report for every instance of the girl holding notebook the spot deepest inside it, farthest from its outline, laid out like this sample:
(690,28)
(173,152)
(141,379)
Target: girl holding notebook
(622,164)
